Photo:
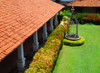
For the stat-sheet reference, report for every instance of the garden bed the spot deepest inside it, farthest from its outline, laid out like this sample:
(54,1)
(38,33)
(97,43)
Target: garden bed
(44,59)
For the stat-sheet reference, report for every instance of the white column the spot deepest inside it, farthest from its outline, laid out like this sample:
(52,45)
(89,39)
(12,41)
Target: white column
(45,34)
(51,24)
(36,43)
(21,59)
(56,20)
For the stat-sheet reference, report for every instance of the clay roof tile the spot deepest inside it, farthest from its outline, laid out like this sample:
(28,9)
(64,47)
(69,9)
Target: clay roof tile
(21,18)
(85,3)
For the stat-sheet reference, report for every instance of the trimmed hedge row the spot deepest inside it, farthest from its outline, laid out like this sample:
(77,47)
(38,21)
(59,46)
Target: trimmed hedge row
(74,43)
(58,33)
(83,17)
(88,18)
(44,59)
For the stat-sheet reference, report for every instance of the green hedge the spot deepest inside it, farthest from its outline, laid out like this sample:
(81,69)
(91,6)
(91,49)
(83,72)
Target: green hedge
(83,17)
(88,18)
(74,43)
(58,32)
(44,59)
(66,13)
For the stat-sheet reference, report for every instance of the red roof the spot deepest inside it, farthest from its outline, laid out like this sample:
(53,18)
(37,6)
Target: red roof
(21,18)
(85,3)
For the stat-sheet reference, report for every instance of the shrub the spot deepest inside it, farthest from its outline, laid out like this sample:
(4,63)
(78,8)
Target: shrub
(88,18)
(66,13)
(74,43)
(65,18)
(44,59)
(58,33)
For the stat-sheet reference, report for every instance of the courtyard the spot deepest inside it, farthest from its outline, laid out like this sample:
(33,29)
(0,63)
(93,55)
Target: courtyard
(84,58)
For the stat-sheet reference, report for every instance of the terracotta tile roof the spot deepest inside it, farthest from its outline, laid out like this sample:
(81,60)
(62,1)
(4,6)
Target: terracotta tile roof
(21,18)
(85,3)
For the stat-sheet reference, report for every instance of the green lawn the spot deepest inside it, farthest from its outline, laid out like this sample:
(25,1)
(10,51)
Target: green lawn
(81,59)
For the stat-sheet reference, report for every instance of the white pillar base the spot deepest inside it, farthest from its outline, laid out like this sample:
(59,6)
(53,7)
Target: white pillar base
(21,64)
(56,23)
(51,28)
(35,46)
(36,43)
(45,35)
(21,59)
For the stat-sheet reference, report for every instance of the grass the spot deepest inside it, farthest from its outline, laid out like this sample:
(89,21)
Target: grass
(73,29)
(81,59)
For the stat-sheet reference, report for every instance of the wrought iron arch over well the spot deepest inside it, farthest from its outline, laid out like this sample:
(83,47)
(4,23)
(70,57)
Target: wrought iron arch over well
(72,28)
